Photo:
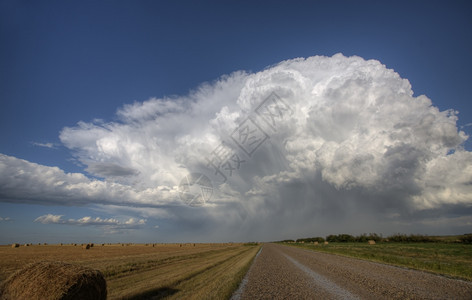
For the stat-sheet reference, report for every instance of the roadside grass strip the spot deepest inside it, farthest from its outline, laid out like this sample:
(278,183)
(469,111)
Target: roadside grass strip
(451,260)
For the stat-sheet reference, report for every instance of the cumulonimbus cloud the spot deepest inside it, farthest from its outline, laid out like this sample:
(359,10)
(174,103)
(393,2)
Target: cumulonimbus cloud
(341,128)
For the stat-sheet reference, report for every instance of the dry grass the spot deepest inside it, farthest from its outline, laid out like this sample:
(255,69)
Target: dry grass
(139,271)
(55,280)
(218,281)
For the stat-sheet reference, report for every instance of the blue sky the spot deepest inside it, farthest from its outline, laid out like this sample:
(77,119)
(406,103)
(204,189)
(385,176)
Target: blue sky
(63,62)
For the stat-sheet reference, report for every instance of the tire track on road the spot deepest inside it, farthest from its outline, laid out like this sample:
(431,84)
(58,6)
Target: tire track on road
(331,287)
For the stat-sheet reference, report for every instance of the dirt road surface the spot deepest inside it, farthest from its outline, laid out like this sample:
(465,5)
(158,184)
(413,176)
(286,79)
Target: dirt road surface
(284,272)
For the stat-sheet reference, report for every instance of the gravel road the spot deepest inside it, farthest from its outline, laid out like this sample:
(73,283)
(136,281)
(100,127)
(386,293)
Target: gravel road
(284,272)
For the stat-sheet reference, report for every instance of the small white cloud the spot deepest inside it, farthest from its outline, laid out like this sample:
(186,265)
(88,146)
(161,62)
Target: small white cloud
(133,221)
(5,219)
(94,221)
(45,145)
(109,224)
(466,125)
(50,219)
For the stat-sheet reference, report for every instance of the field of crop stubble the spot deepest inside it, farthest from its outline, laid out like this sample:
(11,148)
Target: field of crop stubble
(210,271)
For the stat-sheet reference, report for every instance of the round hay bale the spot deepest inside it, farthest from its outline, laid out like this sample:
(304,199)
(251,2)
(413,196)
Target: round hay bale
(15,245)
(55,280)
(371,242)
(86,247)
(326,243)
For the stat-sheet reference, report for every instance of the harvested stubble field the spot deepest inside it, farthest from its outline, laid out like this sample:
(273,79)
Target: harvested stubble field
(450,259)
(210,271)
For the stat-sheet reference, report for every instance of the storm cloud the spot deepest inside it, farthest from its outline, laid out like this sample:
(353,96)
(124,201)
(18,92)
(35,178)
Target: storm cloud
(303,145)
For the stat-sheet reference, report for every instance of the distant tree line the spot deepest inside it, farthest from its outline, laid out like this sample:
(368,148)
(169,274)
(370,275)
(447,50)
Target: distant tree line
(398,238)
(311,240)
(466,238)
(347,238)
(287,241)
(412,238)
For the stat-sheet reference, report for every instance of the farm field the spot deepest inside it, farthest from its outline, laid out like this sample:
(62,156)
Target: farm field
(453,260)
(210,271)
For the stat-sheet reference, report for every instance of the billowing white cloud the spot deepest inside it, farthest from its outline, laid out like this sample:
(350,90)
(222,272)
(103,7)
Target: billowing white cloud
(26,182)
(355,122)
(320,136)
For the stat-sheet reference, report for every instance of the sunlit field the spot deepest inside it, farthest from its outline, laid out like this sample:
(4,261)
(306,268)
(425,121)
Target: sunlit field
(210,271)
